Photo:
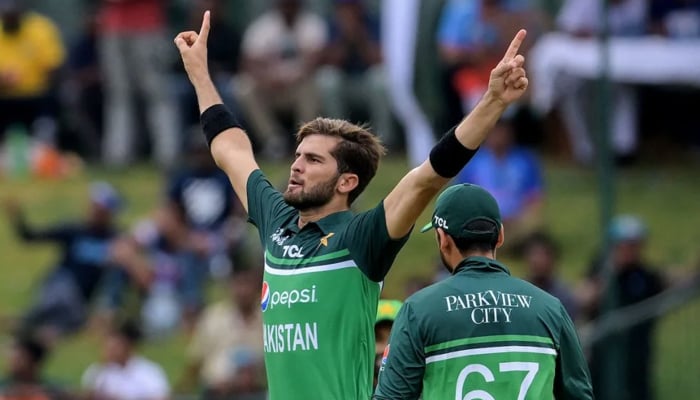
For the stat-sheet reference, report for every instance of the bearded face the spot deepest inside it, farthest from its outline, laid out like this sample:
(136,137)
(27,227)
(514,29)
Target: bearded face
(305,198)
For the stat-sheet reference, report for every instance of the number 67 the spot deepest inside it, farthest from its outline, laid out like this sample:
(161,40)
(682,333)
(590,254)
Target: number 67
(530,367)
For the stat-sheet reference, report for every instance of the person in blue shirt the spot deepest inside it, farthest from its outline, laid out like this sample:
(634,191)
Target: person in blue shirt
(61,305)
(513,175)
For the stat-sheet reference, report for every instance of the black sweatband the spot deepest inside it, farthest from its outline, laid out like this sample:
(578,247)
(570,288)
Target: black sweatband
(217,119)
(449,156)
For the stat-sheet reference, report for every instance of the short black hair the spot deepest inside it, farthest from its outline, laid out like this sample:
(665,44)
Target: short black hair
(36,350)
(129,330)
(485,244)
(542,239)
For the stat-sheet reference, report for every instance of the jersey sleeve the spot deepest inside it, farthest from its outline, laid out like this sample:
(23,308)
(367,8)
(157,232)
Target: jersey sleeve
(265,203)
(572,381)
(368,240)
(403,364)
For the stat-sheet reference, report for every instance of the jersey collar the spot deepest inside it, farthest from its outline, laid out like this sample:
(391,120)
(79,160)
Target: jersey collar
(480,264)
(327,224)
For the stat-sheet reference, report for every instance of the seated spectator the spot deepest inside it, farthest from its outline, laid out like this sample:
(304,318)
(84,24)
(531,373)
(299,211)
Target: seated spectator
(352,81)
(386,314)
(541,256)
(513,175)
(123,374)
(156,251)
(677,19)
(622,279)
(280,51)
(201,194)
(32,51)
(226,351)
(61,306)
(581,18)
(24,380)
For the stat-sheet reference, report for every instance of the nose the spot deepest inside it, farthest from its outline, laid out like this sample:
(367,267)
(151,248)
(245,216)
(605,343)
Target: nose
(298,165)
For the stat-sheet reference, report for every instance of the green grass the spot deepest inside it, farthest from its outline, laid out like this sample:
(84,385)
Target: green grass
(666,197)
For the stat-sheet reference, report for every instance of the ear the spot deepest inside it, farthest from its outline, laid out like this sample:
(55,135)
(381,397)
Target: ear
(445,242)
(501,237)
(347,182)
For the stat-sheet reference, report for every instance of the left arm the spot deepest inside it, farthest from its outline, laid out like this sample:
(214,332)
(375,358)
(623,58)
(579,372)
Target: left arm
(403,364)
(412,194)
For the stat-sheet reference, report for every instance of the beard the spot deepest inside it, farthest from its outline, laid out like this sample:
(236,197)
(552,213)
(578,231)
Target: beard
(445,263)
(315,197)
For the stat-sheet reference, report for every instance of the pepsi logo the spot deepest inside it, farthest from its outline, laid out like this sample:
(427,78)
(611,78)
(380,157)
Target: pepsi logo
(265,296)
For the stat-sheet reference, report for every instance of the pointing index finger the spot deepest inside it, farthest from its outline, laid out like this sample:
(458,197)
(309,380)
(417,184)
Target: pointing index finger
(204,31)
(515,45)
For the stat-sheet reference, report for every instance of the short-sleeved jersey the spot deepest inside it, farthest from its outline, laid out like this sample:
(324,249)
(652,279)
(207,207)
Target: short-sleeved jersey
(482,334)
(319,296)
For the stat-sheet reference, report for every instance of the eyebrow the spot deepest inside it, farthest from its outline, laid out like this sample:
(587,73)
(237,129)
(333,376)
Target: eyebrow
(311,155)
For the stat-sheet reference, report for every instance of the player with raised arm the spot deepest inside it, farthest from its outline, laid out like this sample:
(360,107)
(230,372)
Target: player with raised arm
(324,264)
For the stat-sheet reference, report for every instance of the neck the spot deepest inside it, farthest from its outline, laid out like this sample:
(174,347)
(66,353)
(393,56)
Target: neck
(459,257)
(315,214)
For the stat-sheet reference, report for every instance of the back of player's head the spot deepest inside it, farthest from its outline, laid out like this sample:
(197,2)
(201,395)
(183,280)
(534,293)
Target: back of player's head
(358,151)
(129,331)
(468,214)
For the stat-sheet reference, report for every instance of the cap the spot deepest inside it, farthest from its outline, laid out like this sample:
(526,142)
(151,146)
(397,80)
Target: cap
(627,228)
(387,310)
(104,195)
(459,205)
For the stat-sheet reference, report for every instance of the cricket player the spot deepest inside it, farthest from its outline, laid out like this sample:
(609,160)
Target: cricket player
(481,333)
(323,264)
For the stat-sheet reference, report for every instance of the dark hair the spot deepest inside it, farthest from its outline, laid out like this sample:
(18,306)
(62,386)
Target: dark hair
(129,330)
(358,152)
(541,239)
(485,243)
(33,348)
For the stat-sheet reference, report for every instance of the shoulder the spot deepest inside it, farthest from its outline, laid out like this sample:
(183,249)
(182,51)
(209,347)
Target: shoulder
(143,365)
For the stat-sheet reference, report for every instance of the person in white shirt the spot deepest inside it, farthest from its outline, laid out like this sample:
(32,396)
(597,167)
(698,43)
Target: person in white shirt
(124,375)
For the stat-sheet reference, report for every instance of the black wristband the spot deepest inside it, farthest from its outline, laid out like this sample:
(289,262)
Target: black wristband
(217,119)
(449,156)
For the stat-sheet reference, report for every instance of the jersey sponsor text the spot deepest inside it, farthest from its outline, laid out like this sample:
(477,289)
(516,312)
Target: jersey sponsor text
(488,306)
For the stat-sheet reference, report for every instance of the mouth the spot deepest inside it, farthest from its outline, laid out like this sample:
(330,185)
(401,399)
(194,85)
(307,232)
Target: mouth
(294,184)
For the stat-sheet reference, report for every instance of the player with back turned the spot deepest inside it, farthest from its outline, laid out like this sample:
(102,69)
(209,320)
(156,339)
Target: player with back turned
(481,333)
(323,264)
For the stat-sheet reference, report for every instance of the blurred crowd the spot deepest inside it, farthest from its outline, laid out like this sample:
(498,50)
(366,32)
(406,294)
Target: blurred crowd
(116,94)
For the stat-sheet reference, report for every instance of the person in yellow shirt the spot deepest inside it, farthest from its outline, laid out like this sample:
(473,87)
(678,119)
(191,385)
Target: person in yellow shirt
(32,50)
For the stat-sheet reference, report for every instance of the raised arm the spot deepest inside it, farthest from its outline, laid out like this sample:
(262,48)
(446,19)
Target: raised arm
(230,146)
(412,194)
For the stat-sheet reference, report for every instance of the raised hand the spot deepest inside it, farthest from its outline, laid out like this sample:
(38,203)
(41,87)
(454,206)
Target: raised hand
(193,50)
(508,79)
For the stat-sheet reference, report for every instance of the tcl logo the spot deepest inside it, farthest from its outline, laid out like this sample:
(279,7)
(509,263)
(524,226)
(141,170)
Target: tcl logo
(440,222)
(293,251)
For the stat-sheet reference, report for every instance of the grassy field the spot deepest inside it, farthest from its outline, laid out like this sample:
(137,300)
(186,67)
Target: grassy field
(667,197)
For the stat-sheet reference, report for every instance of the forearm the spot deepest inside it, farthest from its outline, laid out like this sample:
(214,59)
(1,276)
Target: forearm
(475,127)
(207,95)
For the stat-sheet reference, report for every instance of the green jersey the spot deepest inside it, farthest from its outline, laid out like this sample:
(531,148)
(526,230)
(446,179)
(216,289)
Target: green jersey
(482,334)
(319,296)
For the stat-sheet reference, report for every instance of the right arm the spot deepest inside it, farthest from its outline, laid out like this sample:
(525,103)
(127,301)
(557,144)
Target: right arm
(27,233)
(572,381)
(231,149)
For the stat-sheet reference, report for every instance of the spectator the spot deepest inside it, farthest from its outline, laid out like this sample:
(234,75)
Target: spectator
(32,51)
(61,306)
(24,380)
(226,351)
(156,251)
(281,52)
(513,175)
(386,314)
(123,374)
(676,19)
(213,216)
(399,26)
(469,36)
(224,52)
(631,280)
(81,90)
(582,18)
(134,55)
(541,257)
(353,78)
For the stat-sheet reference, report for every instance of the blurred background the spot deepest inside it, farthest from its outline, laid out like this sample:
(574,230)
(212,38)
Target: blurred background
(129,271)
